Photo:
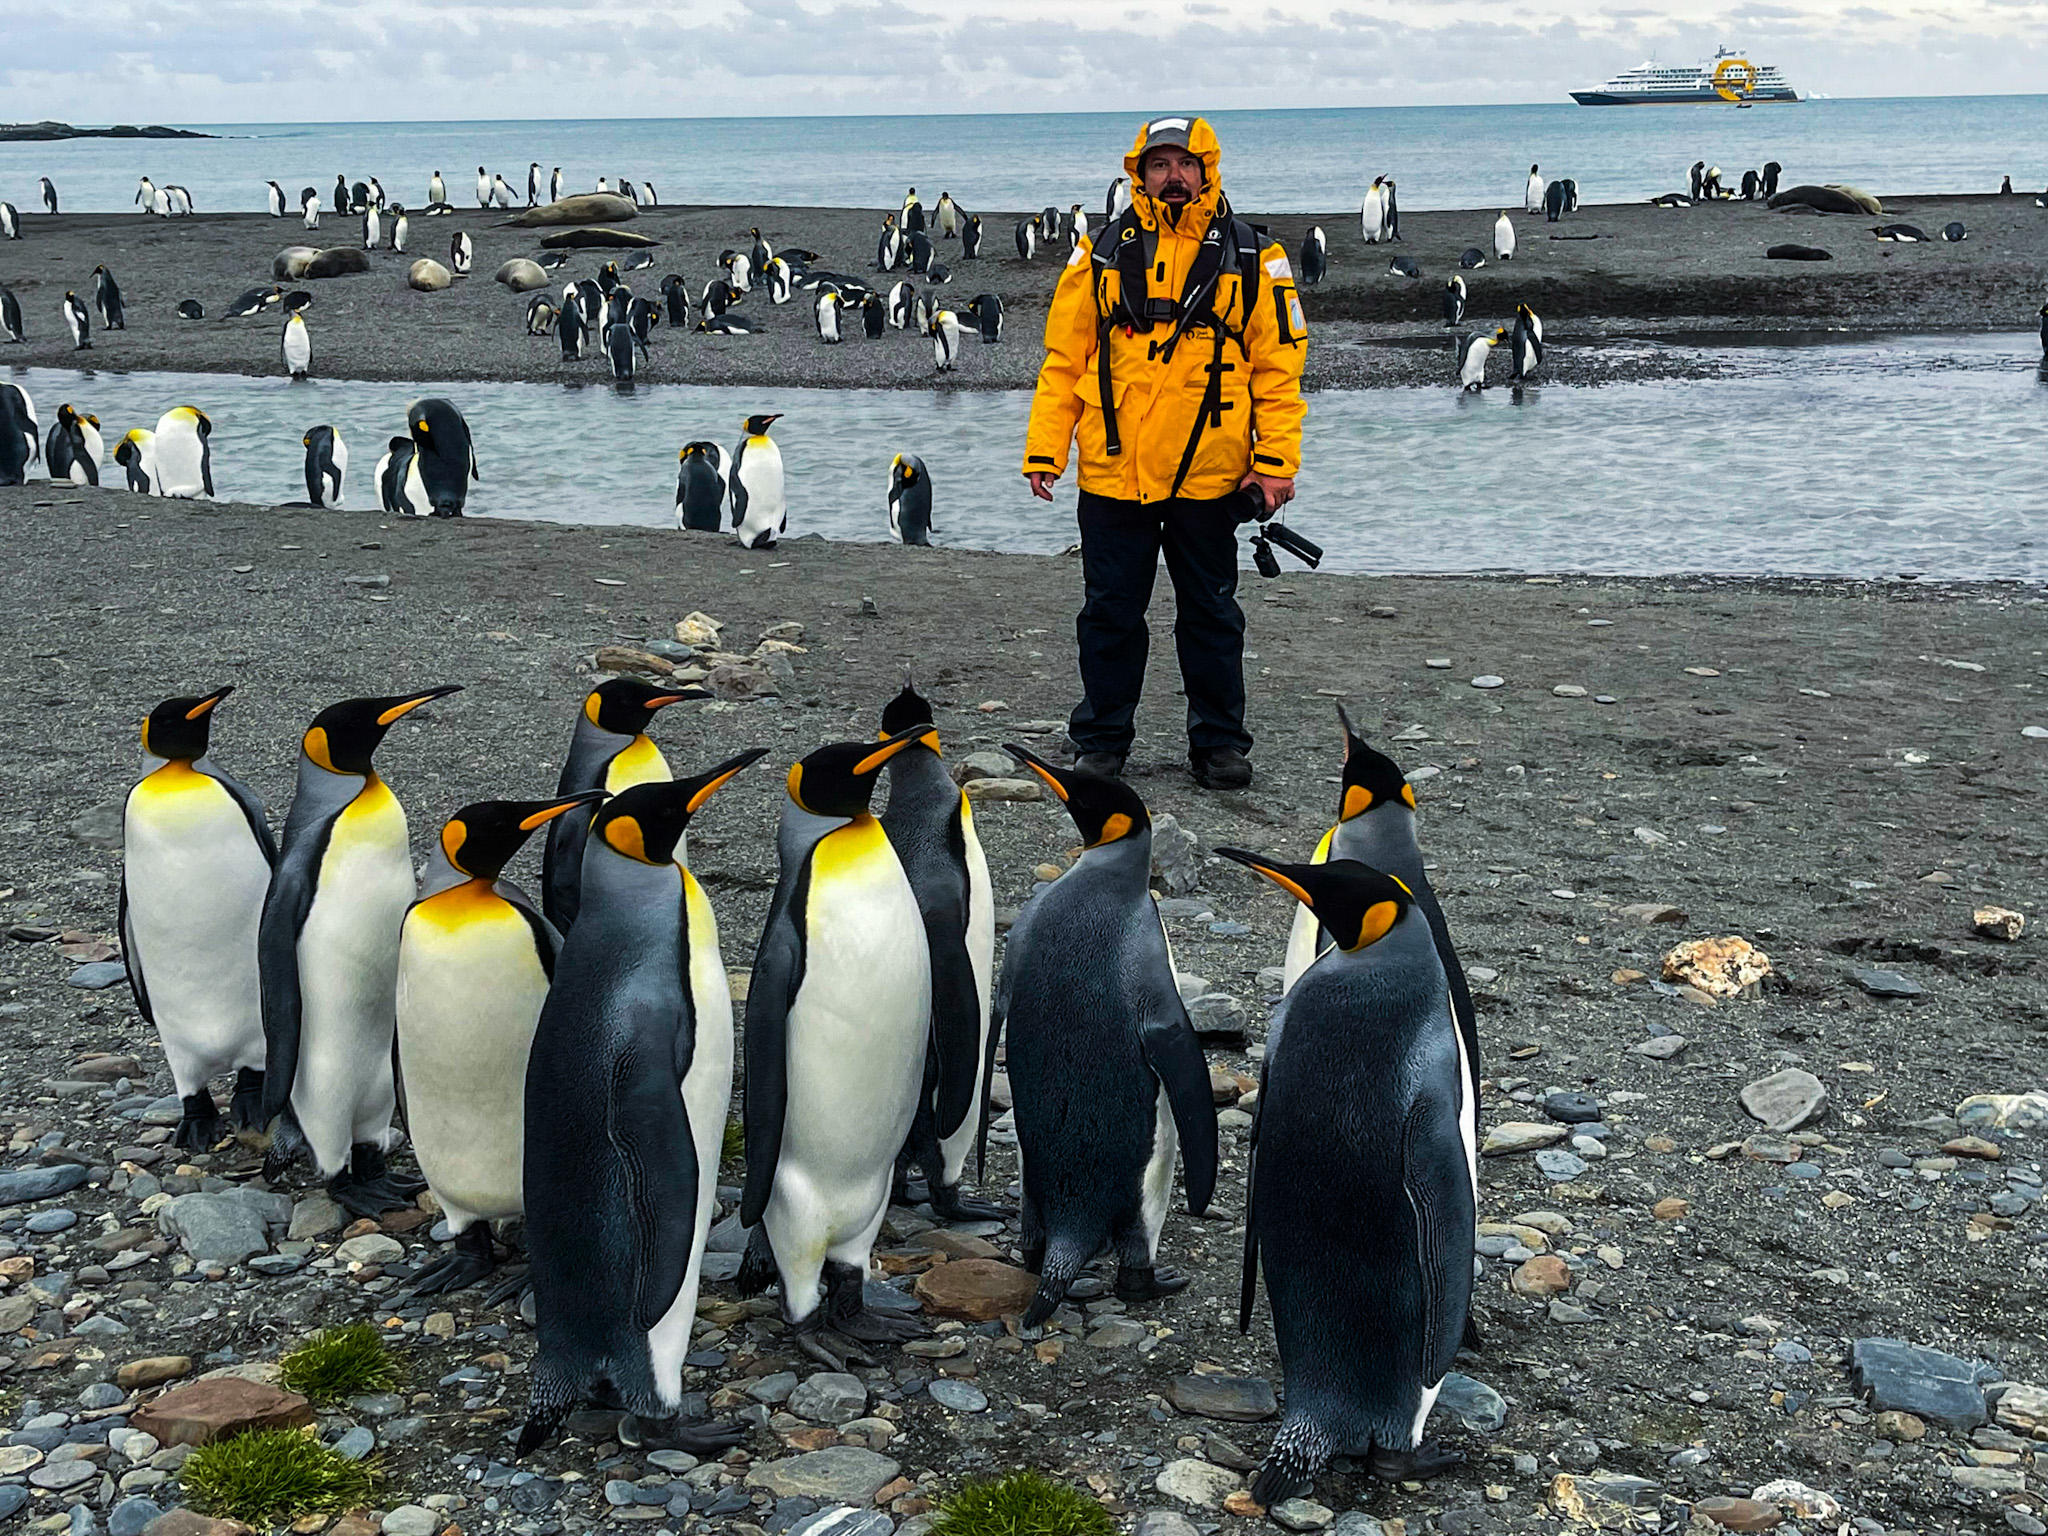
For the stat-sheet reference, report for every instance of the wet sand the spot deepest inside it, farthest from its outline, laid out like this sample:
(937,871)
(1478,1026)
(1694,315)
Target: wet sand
(1646,272)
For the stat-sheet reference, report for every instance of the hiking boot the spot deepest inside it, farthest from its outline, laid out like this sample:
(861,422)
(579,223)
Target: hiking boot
(1220,768)
(1104,765)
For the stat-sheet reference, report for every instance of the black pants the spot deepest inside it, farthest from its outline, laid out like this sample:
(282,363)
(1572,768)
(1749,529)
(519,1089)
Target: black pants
(1120,545)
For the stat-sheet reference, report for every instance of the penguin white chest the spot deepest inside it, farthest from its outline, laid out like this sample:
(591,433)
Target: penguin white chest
(469,994)
(195,879)
(348,976)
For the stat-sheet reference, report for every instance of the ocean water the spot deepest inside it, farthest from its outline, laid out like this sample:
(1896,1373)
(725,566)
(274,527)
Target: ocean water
(1912,454)
(1281,161)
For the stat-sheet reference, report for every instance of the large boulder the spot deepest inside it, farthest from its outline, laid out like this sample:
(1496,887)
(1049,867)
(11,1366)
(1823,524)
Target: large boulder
(522,276)
(290,264)
(428,275)
(583,208)
(596,239)
(337,261)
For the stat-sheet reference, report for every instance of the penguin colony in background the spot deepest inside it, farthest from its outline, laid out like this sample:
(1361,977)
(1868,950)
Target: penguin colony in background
(305,967)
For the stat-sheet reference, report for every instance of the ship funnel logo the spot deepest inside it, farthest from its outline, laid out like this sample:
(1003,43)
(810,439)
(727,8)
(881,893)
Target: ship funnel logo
(1734,79)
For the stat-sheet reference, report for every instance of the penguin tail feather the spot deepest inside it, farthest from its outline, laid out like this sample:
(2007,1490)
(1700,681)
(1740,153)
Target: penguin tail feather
(1299,1451)
(1062,1262)
(550,1406)
(757,1266)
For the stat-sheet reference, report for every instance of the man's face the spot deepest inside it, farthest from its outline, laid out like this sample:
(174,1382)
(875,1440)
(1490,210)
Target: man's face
(1171,174)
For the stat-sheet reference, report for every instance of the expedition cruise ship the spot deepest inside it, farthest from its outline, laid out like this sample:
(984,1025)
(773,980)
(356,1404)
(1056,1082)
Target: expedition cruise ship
(1727,77)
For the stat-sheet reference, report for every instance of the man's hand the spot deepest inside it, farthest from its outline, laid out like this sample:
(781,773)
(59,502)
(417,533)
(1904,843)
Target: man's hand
(1278,492)
(1042,483)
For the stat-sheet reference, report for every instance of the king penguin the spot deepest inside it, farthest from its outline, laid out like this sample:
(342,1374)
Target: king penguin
(474,963)
(326,465)
(72,452)
(700,487)
(1315,257)
(196,856)
(910,504)
(931,826)
(627,1090)
(136,454)
(1532,191)
(760,507)
(444,457)
(20,434)
(1526,345)
(184,452)
(1363,1185)
(1107,1075)
(609,751)
(328,952)
(295,344)
(838,1015)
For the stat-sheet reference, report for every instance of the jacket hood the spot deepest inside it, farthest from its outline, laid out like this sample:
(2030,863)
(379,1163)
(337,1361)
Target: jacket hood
(1199,139)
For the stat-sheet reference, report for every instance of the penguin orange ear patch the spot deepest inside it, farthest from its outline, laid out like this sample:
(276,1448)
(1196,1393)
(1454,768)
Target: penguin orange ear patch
(453,836)
(1117,827)
(1357,801)
(624,835)
(1379,917)
(317,750)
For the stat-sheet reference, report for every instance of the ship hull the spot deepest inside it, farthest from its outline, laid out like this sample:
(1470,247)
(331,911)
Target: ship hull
(1679,98)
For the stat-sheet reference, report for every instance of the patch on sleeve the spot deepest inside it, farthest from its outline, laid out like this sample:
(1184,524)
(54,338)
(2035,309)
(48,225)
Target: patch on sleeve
(1080,255)
(1276,266)
(1294,314)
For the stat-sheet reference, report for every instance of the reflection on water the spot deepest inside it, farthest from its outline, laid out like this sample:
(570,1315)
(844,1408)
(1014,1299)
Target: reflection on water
(1863,458)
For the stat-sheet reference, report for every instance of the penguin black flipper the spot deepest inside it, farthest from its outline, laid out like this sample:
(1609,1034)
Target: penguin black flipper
(649,1127)
(253,808)
(956,1026)
(285,908)
(129,958)
(778,972)
(997,1011)
(1175,1057)
(1462,1011)
(1434,1173)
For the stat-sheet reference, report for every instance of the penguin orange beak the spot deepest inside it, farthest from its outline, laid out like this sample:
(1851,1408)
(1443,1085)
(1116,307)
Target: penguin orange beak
(1261,865)
(207,705)
(712,782)
(681,696)
(548,813)
(888,749)
(1053,778)
(405,707)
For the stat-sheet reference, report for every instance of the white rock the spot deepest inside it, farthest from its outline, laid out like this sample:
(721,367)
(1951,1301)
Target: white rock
(1195,1482)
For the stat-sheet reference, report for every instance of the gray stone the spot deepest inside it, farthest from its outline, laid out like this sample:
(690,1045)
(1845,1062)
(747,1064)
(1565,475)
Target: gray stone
(1300,1515)
(1218,1018)
(12,1497)
(1164,1522)
(100,827)
(983,765)
(216,1229)
(315,1216)
(530,1498)
(839,1474)
(1661,1047)
(356,1444)
(1118,1333)
(1786,1100)
(1235,1399)
(844,1520)
(1197,1482)
(63,1474)
(959,1396)
(1619,1488)
(1918,1380)
(370,1248)
(1559,1165)
(1357,1523)
(829,1397)
(1512,1136)
(619,1493)
(18,1186)
(1886,983)
(411,1520)
(727,1236)
(773,1389)
(85,1523)
(130,1516)
(1571,1108)
(98,976)
(101,1394)
(1176,856)
(44,1223)
(1489,680)
(677,1462)
(1471,1403)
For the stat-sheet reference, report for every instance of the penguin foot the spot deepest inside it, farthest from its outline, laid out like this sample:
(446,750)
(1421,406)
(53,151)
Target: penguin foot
(712,1439)
(949,1204)
(1134,1284)
(812,1342)
(514,1281)
(200,1126)
(246,1108)
(1424,1462)
(471,1261)
(367,1187)
(878,1327)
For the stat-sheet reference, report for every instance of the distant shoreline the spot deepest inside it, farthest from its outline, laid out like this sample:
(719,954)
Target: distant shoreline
(52,132)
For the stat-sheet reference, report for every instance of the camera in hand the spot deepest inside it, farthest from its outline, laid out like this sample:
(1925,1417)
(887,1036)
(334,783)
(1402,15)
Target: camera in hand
(1253,508)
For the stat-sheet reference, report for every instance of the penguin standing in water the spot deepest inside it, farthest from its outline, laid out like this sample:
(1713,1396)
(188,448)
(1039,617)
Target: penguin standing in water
(328,952)
(184,452)
(1525,348)
(1363,1185)
(326,465)
(1315,258)
(610,751)
(74,448)
(838,1016)
(1107,1075)
(931,826)
(700,487)
(136,454)
(627,1088)
(1376,827)
(445,458)
(474,963)
(196,856)
(106,298)
(760,508)
(910,511)
(1454,301)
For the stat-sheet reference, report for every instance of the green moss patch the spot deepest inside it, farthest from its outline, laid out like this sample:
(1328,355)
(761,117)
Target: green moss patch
(1022,1503)
(340,1363)
(274,1476)
(734,1146)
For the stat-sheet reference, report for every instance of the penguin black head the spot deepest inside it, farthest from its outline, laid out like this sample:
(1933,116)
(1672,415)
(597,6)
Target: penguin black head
(1354,902)
(646,822)
(904,471)
(625,706)
(1371,778)
(481,839)
(1106,810)
(839,780)
(907,710)
(344,737)
(757,426)
(178,729)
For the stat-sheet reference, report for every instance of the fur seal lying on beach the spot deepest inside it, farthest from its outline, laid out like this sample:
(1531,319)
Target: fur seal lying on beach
(1833,198)
(338,261)
(522,276)
(1797,253)
(291,262)
(583,208)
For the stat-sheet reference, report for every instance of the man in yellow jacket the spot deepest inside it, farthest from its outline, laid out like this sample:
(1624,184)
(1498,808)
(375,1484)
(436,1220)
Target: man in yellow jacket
(1173,350)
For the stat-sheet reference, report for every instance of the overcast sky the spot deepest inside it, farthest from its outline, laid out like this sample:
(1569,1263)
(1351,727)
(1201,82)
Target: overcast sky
(342,60)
